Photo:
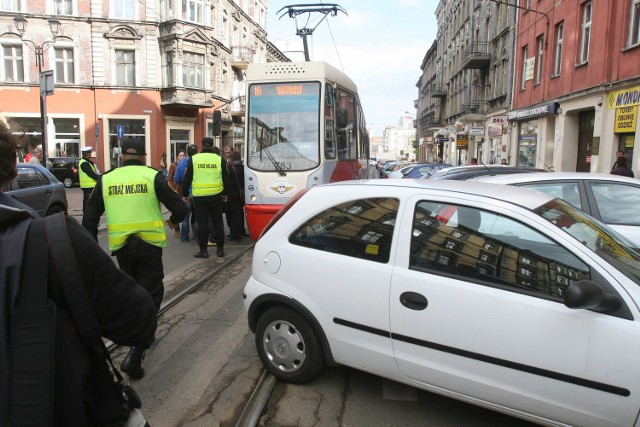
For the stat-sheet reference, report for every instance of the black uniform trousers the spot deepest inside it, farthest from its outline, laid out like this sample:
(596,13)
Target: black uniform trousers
(86,194)
(209,207)
(143,262)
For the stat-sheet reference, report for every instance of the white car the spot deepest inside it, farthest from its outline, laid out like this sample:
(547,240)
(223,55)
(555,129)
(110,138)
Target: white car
(612,199)
(399,173)
(498,296)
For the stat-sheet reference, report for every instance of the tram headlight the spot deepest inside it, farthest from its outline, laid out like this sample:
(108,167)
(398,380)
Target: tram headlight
(253,198)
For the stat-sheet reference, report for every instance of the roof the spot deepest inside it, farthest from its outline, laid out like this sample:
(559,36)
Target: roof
(555,176)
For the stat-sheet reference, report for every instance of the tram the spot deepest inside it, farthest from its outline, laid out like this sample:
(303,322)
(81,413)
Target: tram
(304,126)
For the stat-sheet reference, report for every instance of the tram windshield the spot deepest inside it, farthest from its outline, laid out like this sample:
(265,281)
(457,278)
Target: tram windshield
(283,129)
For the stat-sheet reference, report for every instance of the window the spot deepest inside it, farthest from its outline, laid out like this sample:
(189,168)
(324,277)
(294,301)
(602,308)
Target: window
(62,7)
(524,67)
(125,67)
(540,47)
(67,137)
(10,5)
(192,10)
(168,69)
(557,60)
(360,229)
(64,65)
(585,33)
(30,177)
(193,70)
(124,9)
(567,191)
(634,24)
(13,64)
(490,249)
(616,202)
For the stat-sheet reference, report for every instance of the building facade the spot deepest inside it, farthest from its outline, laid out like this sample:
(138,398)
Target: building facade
(465,89)
(577,85)
(129,69)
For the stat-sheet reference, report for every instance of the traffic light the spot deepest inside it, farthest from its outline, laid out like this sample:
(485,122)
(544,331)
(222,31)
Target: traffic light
(217,123)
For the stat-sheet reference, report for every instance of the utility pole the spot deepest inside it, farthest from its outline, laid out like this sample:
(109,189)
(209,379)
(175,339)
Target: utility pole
(295,10)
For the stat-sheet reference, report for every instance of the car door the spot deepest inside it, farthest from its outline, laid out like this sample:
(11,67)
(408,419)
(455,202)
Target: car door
(617,204)
(33,189)
(476,311)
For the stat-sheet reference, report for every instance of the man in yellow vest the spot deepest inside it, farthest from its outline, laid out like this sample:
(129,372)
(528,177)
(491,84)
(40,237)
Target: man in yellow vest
(208,178)
(130,196)
(88,174)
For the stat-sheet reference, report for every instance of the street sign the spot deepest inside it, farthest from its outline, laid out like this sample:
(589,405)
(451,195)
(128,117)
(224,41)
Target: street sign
(97,131)
(120,131)
(46,83)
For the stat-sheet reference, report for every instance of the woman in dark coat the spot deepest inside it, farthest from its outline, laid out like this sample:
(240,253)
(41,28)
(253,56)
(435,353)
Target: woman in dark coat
(235,198)
(621,167)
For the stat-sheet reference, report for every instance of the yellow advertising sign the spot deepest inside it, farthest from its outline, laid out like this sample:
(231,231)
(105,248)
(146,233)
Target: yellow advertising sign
(624,98)
(626,119)
(462,141)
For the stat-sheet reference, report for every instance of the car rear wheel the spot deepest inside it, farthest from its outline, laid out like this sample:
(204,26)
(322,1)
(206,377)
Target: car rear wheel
(68,182)
(288,346)
(54,209)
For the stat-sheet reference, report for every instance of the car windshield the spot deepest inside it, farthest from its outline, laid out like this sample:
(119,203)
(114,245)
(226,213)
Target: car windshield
(598,237)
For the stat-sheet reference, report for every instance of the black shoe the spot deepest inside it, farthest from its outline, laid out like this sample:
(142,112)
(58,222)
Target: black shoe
(220,252)
(131,365)
(202,254)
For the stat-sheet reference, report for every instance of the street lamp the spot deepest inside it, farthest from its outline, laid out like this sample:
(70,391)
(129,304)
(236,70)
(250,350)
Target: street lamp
(20,23)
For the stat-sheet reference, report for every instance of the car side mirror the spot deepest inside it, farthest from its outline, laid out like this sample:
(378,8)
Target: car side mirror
(590,295)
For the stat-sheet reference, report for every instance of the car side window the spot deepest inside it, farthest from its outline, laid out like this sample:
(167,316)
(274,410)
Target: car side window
(30,177)
(360,228)
(617,203)
(567,191)
(491,249)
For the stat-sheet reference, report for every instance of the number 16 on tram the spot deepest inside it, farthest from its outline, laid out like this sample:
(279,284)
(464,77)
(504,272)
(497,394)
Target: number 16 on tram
(304,127)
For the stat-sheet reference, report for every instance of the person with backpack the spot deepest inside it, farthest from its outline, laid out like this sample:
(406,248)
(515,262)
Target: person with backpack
(124,311)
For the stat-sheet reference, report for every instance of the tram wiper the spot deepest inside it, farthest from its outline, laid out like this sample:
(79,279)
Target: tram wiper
(279,168)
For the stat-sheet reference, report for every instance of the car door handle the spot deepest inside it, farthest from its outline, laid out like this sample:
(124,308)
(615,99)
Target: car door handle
(413,300)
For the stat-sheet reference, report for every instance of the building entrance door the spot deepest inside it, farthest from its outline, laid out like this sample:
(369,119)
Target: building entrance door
(585,138)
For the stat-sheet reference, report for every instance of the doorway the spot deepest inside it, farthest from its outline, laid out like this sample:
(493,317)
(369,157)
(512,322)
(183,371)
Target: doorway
(585,138)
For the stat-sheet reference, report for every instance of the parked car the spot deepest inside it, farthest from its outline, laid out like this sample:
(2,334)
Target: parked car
(472,172)
(384,173)
(612,199)
(65,169)
(38,188)
(425,169)
(502,297)
(399,173)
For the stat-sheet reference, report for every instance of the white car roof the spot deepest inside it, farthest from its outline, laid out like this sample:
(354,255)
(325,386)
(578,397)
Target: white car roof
(519,196)
(554,176)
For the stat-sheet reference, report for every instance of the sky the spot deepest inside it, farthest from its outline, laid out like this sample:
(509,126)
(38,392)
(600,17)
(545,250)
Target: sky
(379,44)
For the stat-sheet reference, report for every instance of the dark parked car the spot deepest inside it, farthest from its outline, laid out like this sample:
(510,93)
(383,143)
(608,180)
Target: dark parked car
(38,188)
(65,169)
(425,169)
(471,173)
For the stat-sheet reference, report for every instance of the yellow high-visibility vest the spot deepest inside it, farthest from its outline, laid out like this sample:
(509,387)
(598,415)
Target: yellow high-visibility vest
(207,174)
(132,207)
(85,180)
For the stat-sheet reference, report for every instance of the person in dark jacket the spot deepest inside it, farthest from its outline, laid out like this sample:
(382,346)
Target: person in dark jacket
(124,310)
(621,167)
(88,175)
(234,208)
(130,196)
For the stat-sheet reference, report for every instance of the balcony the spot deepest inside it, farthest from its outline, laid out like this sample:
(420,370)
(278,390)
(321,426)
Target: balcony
(241,56)
(477,57)
(438,91)
(237,106)
(192,98)
(473,111)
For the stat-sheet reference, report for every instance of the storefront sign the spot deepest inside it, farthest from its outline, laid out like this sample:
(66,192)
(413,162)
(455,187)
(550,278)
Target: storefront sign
(624,98)
(529,65)
(495,131)
(544,109)
(498,120)
(462,141)
(626,119)
(476,130)
(442,139)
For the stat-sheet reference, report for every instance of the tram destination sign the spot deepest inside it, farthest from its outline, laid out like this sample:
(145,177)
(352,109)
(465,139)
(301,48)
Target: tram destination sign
(283,89)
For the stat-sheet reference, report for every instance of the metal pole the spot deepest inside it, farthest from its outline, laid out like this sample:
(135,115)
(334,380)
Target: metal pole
(43,111)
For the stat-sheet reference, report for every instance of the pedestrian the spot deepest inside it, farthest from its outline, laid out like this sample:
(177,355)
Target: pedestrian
(474,161)
(227,152)
(130,196)
(621,167)
(234,208)
(503,162)
(190,217)
(36,157)
(208,176)
(124,311)
(618,155)
(88,173)
(163,164)
(172,183)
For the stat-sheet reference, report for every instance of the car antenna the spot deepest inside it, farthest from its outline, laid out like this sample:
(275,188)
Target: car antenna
(491,173)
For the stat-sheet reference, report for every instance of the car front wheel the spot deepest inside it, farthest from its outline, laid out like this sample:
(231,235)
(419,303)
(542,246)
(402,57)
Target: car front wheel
(288,346)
